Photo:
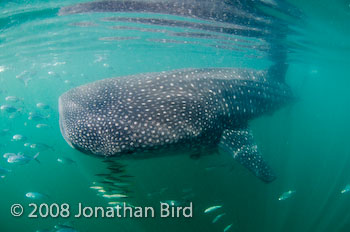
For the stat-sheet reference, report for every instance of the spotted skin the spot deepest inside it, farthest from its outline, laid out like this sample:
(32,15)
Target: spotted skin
(240,144)
(183,109)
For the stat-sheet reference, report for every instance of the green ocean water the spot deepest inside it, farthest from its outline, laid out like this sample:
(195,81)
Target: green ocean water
(42,55)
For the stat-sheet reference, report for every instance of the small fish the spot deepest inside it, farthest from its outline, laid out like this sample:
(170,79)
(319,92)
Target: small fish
(41,125)
(13,99)
(212,208)
(37,117)
(114,195)
(18,137)
(346,189)
(227,227)
(41,146)
(41,105)
(7,155)
(22,159)
(218,217)
(9,109)
(4,172)
(286,195)
(36,195)
(66,160)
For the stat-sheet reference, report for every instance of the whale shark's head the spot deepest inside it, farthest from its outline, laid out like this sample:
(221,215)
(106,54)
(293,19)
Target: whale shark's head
(83,122)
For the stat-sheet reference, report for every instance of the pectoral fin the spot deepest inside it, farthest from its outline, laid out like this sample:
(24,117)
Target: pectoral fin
(241,145)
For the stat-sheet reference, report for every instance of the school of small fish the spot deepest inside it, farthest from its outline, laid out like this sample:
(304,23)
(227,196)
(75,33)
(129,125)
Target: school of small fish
(216,208)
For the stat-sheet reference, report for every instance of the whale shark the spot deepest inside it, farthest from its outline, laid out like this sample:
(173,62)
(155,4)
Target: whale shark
(153,114)
(193,111)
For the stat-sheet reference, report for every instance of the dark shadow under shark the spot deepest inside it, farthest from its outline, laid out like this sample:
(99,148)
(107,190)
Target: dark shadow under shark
(191,109)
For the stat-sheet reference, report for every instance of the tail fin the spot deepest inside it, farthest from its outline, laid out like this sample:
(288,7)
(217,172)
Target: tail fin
(36,157)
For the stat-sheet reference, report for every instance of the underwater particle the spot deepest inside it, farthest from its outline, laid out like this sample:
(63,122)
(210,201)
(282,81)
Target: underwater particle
(9,109)
(286,195)
(66,160)
(346,189)
(41,105)
(227,227)
(4,172)
(36,195)
(217,218)
(18,137)
(22,159)
(212,208)
(41,125)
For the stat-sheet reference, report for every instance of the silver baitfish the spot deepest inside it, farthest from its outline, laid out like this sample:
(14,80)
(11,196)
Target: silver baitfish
(66,160)
(9,109)
(346,189)
(43,106)
(13,99)
(22,159)
(286,195)
(212,208)
(36,195)
(217,218)
(37,117)
(18,137)
(227,228)
(42,125)
(41,146)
